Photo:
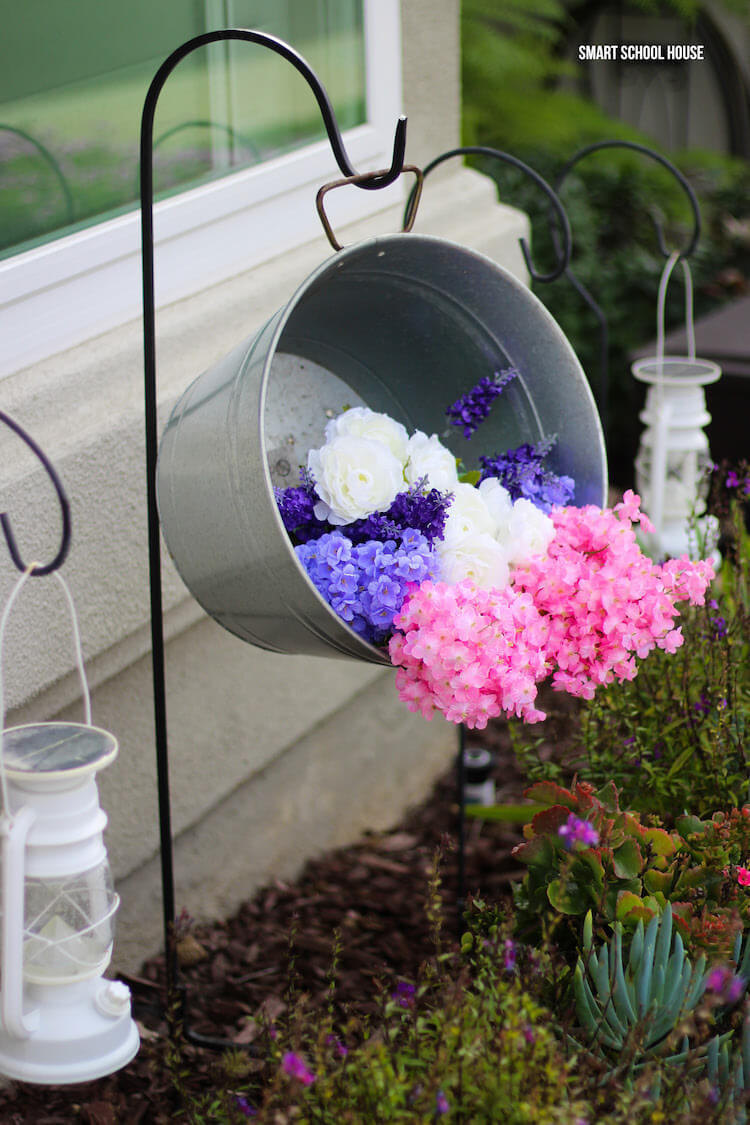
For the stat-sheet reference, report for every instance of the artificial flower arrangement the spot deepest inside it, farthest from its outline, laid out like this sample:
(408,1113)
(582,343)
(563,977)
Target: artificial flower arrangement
(484,583)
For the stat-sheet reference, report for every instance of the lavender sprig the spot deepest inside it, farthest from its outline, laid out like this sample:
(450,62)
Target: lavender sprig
(471,409)
(522,473)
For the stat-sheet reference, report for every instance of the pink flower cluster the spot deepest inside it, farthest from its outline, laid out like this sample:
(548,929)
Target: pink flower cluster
(583,613)
(469,652)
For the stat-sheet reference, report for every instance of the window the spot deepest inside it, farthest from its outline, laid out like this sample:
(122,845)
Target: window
(238,152)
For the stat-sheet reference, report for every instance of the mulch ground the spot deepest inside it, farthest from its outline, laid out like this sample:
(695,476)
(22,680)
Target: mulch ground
(373,893)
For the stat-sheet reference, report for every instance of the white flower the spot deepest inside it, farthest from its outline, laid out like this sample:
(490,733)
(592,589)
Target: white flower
(468,513)
(498,501)
(529,532)
(354,476)
(428,457)
(365,423)
(474,555)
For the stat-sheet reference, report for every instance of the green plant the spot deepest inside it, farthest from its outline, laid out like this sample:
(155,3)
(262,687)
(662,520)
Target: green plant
(631,871)
(635,1005)
(676,736)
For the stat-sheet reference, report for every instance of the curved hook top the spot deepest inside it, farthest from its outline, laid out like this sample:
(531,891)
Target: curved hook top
(505,157)
(300,64)
(653,155)
(36,570)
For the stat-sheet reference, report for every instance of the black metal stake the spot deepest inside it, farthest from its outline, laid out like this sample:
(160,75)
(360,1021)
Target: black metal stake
(373,182)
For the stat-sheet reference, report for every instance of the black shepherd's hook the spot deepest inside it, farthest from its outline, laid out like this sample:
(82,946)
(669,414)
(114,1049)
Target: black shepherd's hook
(10,538)
(371,182)
(563,253)
(684,253)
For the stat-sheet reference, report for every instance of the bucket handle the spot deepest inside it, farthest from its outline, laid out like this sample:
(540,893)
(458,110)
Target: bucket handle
(360,181)
(78,659)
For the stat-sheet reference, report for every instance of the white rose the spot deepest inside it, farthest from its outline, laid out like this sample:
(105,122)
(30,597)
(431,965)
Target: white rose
(428,457)
(365,423)
(498,501)
(472,555)
(528,532)
(354,477)
(468,513)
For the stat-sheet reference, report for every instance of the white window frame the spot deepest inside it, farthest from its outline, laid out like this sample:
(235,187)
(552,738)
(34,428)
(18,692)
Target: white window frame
(81,285)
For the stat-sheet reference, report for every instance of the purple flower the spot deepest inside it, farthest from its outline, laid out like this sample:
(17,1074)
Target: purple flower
(577,831)
(732,479)
(510,955)
(471,409)
(403,994)
(522,473)
(417,509)
(244,1106)
(442,1105)
(340,1048)
(703,706)
(728,987)
(296,1067)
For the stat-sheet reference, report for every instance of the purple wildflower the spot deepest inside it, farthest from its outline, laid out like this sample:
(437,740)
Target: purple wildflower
(244,1106)
(703,706)
(723,982)
(529,1034)
(296,1067)
(442,1105)
(510,955)
(403,994)
(522,473)
(732,479)
(577,831)
(471,409)
(340,1048)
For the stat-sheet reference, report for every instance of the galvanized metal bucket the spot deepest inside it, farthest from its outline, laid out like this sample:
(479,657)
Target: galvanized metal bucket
(403,324)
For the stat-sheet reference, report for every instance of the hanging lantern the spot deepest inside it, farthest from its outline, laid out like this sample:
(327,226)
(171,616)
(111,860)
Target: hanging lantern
(402,324)
(60,1020)
(673,457)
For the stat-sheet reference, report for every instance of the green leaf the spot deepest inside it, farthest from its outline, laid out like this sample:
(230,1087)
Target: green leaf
(631,909)
(655,881)
(680,761)
(628,860)
(660,841)
(509,814)
(567,897)
(471,476)
(547,793)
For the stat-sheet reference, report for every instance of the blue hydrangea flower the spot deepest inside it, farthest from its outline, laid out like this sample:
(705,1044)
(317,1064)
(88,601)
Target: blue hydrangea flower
(366,583)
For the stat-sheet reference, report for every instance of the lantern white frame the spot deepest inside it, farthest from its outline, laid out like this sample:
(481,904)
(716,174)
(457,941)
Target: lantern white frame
(673,453)
(65,1022)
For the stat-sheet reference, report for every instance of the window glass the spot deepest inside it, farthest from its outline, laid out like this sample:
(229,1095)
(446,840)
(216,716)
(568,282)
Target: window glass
(75,75)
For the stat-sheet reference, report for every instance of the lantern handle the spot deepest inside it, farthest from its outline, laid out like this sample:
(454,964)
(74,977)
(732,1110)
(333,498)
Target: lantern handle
(37,569)
(664,280)
(563,254)
(78,652)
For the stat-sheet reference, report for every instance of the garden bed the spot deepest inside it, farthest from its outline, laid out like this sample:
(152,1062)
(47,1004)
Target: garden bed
(374,893)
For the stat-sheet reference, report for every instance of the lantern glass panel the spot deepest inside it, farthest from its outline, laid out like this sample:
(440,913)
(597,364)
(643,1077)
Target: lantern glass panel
(69,926)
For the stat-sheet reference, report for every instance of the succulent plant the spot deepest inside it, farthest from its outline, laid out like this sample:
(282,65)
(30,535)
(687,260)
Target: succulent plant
(643,1001)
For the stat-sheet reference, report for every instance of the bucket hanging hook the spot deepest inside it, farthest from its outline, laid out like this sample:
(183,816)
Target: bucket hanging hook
(35,569)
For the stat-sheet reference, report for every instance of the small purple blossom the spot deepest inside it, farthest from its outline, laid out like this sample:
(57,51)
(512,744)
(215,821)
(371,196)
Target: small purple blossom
(403,994)
(577,831)
(703,706)
(471,409)
(442,1105)
(725,984)
(529,1034)
(523,474)
(296,1067)
(509,960)
(340,1048)
(244,1106)
(733,480)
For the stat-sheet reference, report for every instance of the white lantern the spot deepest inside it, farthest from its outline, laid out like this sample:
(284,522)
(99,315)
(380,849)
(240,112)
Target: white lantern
(60,1020)
(673,457)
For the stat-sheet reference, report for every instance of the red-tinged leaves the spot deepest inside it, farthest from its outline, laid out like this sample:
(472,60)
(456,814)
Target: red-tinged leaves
(631,909)
(547,793)
(548,821)
(628,860)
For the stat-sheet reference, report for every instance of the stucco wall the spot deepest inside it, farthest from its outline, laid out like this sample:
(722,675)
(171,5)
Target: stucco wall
(272,758)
